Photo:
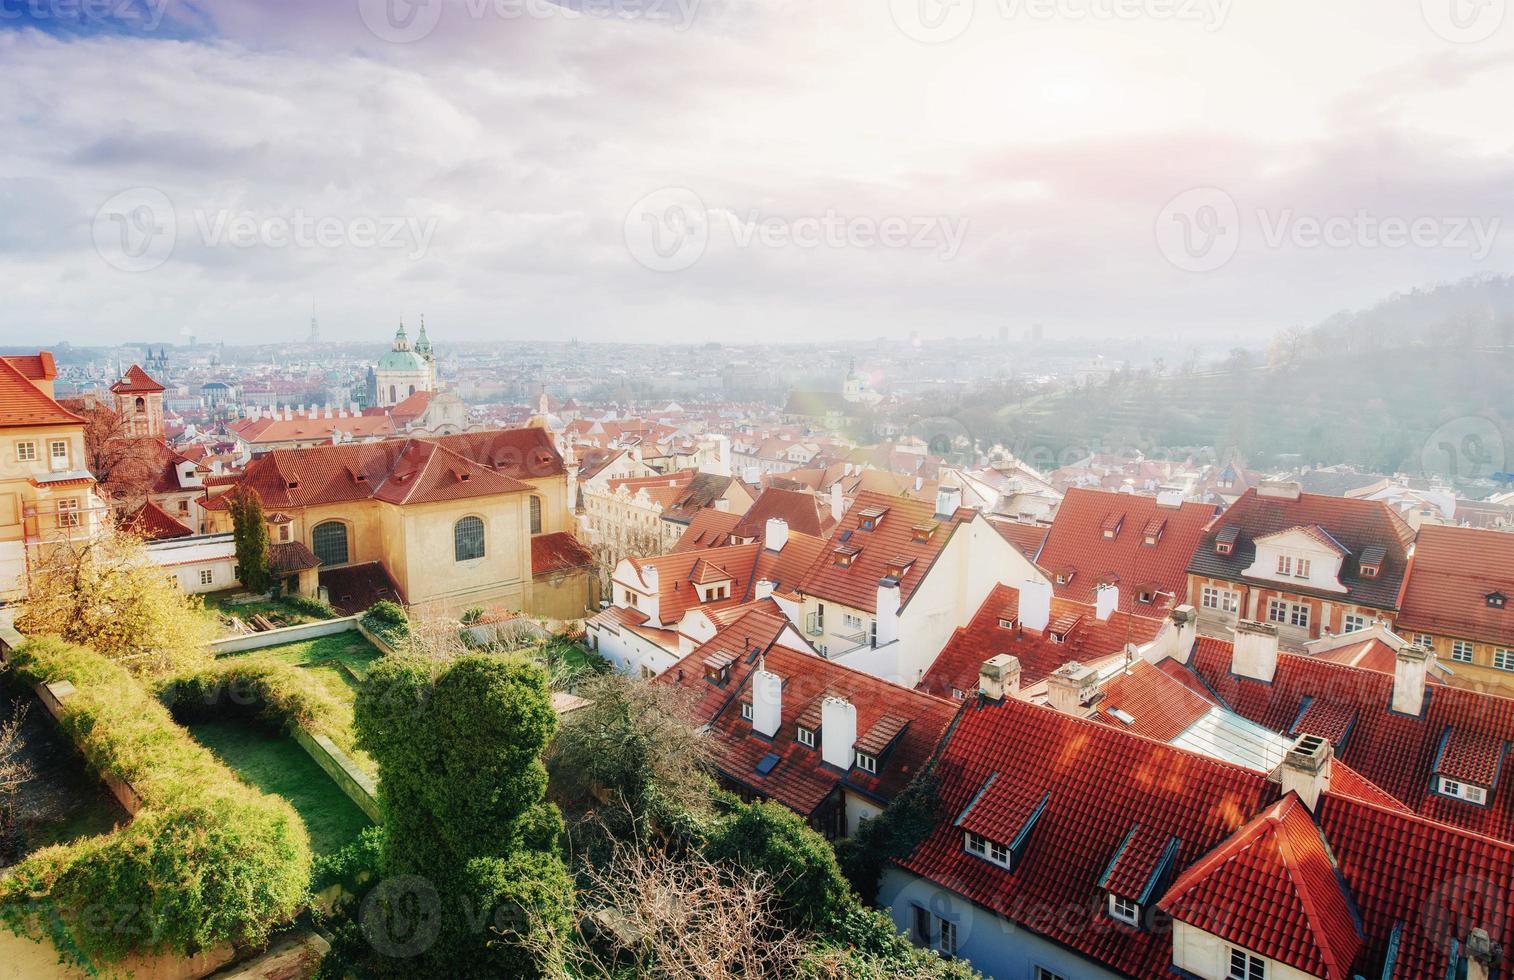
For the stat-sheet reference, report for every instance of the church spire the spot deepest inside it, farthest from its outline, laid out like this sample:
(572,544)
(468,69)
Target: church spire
(401,342)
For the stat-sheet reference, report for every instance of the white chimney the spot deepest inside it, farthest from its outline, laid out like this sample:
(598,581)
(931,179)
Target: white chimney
(1306,769)
(1170,499)
(999,676)
(838,504)
(1409,670)
(1106,599)
(1479,955)
(767,701)
(777,534)
(1182,629)
(948,499)
(763,589)
(1071,686)
(1255,651)
(1035,604)
(752,474)
(887,610)
(1281,489)
(838,732)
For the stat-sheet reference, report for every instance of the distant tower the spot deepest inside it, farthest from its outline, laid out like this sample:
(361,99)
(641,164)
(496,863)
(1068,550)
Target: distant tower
(315,327)
(139,400)
(405,370)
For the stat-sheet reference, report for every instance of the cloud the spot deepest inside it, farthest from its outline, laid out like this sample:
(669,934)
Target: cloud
(525,139)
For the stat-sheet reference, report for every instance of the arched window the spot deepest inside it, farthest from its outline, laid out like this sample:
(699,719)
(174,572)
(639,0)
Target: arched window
(141,404)
(535,515)
(412,389)
(468,539)
(392,393)
(329,542)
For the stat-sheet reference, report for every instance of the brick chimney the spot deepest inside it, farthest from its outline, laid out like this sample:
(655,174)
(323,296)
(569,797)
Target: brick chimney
(1410,669)
(777,534)
(999,676)
(1255,651)
(1306,769)
(1071,686)
(838,732)
(767,701)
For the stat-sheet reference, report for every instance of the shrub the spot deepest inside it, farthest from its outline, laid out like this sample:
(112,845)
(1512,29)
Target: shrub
(309,606)
(387,621)
(207,858)
(893,833)
(862,944)
(472,615)
(771,839)
(278,694)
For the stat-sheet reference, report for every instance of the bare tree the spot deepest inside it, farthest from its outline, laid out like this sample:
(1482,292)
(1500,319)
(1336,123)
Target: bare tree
(14,772)
(612,542)
(646,914)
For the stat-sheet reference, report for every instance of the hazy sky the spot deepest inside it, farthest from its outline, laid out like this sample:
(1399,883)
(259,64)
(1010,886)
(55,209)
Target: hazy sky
(681,169)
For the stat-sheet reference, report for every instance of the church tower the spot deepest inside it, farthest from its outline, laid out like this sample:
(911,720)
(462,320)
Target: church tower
(405,370)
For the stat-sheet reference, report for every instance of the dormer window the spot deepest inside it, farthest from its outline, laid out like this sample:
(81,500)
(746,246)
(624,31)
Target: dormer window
(1122,909)
(1285,564)
(1111,526)
(1370,571)
(989,850)
(1496,600)
(871,517)
(717,670)
(897,566)
(922,533)
(1145,596)
(845,555)
(1006,624)
(1065,575)
(1458,790)
(1224,543)
(867,763)
(1152,533)
(746,711)
(806,737)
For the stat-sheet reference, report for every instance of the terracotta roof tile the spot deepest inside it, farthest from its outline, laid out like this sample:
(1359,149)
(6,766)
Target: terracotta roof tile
(803,512)
(557,552)
(22,403)
(153,523)
(1453,572)
(1077,540)
(857,585)
(710,528)
(136,382)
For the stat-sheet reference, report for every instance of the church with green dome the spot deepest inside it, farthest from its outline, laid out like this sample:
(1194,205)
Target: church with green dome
(405,369)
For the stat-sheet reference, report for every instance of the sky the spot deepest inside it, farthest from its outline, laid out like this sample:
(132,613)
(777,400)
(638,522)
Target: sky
(685,170)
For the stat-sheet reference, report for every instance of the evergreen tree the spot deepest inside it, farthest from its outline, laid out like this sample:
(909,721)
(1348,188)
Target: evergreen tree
(250,532)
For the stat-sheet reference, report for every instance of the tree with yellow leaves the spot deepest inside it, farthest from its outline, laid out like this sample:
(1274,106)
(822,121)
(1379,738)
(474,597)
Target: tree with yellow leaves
(107,594)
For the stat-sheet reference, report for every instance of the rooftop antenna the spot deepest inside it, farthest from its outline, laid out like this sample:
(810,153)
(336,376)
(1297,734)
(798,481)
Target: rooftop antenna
(315,327)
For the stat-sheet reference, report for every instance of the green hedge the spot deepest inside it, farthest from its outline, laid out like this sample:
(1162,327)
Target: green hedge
(207,859)
(279,694)
(387,620)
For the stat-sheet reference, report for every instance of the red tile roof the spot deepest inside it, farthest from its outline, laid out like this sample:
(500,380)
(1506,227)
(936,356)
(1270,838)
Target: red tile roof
(35,367)
(153,523)
(1419,886)
(394,471)
(804,512)
(1161,706)
(136,382)
(1027,538)
(303,428)
(902,726)
(24,404)
(956,668)
(526,453)
(857,585)
(288,557)
(1077,542)
(744,564)
(409,409)
(1099,784)
(1397,752)
(557,552)
(1356,525)
(1280,866)
(710,528)
(353,588)
(1454,570)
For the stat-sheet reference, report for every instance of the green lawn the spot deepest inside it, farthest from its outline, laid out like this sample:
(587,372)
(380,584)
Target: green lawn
(276,764)
(325,657)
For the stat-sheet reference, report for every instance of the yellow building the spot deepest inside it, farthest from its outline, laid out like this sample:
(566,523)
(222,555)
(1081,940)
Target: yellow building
(47,496)
(478,519)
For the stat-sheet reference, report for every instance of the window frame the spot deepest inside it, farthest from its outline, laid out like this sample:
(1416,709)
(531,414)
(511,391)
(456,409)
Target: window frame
(1245,965)
(865,762)
(316,544)
(53,445)
(1122,909)
(458,541)
(1346,619)
(207,576)
(26,451)
(68,511)
(805,736)
(1461,647)
(1285,565)
(1503,658)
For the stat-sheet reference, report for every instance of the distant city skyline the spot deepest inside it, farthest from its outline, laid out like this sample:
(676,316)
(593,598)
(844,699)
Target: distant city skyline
(690,170)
